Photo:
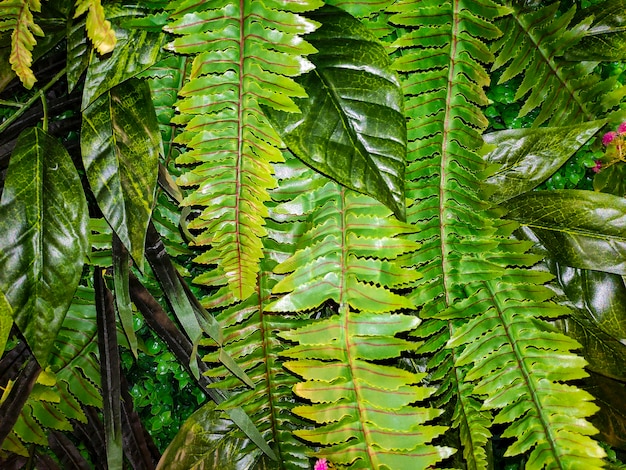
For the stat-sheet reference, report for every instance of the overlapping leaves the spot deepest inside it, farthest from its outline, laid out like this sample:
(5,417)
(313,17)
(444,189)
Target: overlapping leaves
(349,257)
(533,47)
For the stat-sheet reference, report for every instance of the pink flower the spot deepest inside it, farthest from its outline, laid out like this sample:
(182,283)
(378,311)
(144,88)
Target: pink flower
(321,464)
(609,137)
(598,167)
(622,128)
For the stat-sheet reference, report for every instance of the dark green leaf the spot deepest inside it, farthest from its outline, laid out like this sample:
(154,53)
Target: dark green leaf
(611,180)
(527,157)
(606,38)
(120,143)
(43,221)
(110,372)
(208,440)
(583,229)
(135,51)
(122,294)
(611,419)
(352,126)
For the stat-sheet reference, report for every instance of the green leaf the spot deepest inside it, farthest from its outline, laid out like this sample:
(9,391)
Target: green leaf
(606,37)
(43,219)
(209,440)
(136,50)
(6,321)
(351,127)
(120,143)
(584,229)
(122,293)
(527,157)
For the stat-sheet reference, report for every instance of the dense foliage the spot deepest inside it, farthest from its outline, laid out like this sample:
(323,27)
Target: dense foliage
(377,235)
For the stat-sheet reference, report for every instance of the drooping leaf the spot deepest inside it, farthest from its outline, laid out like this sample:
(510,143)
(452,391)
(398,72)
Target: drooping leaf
(136,50)
(584,229)
(44,242)
(109,371)
(606,37)
(351,127)
(122,295)
(230,145)
(120,143)
(527,157)
(98,28)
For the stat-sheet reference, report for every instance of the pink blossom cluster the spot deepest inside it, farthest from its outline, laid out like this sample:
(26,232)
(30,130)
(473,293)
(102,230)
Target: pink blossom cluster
(611,136)
(321,464)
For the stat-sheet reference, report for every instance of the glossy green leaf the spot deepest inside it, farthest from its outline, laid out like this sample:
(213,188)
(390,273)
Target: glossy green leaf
(120,143)
(6,321)
(136,50)
(611,180)
(43,221)
(524,158)
(122,294)
(606,37)
(351,127)
(209,440)
(584,229)
(611,418)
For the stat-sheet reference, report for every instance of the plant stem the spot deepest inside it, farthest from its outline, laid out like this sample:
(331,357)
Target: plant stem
(30,102)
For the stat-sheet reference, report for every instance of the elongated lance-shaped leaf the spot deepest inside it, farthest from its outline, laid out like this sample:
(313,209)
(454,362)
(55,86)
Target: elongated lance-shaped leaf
(6,321)
(17,16)
(120,144)
(238,65)
(43,222)
(532,47)
(350,256)
(250,331)
(122,294)
(352,126)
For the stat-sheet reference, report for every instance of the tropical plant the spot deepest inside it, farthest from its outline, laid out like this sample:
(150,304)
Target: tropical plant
(352,266)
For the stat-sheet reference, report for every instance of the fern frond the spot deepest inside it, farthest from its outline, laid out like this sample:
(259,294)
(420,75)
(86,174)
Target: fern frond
(17,16)
(520,364)
(250,331)
(532,46)
(349,256)
(465,247)
(71,382)
(99,29)
(244,55)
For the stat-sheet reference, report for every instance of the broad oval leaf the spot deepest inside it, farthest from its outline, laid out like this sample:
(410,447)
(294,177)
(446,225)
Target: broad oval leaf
(43,221)
(527,157)
(208,440)
(352,126)
(583,229)
(120,143)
